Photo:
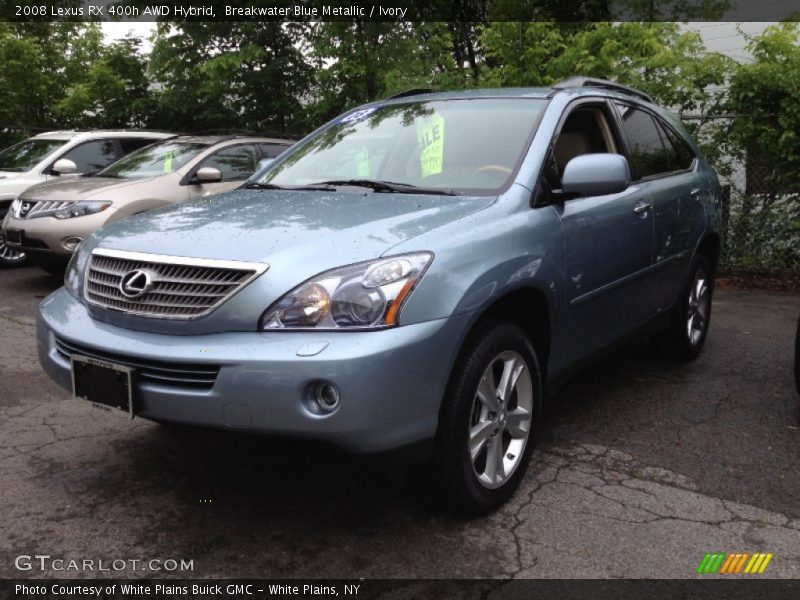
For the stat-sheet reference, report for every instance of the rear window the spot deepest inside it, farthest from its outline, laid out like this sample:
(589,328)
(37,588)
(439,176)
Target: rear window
(681,154)
(649,154)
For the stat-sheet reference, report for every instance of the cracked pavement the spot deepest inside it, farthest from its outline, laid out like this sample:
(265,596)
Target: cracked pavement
(642,468)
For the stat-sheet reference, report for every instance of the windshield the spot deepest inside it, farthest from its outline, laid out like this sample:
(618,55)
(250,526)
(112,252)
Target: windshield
(463,146)
(25,155)
(152,161)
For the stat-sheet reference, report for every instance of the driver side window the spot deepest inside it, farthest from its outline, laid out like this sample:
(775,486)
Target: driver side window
(90,157)
(587,130)
(234,163)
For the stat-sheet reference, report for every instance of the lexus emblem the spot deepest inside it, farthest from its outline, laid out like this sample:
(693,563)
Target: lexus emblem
(135,284)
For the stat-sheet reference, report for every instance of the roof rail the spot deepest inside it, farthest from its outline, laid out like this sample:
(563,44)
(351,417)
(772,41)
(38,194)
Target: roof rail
(580,81)
(224,131)
(411,92)
(229,134)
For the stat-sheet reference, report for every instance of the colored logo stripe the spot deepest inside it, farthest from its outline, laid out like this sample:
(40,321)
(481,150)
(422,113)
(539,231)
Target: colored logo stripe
(758,563)
(732,563)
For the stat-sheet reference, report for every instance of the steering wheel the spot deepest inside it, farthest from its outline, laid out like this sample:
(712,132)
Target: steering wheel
(495,168)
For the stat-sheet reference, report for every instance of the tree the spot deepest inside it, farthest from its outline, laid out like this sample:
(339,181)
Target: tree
(38,60)
(656,57)
(764,99)
(113,91)
(353,59)
(246,75)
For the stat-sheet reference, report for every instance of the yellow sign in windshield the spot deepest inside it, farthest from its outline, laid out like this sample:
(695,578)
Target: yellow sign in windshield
(168,162)
(430,139)
(362,163)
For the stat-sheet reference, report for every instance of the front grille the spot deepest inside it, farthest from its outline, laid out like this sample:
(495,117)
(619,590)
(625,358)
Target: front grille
(163,286)
(197,376)
(30,209)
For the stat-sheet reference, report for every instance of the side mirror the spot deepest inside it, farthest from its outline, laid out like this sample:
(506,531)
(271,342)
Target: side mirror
(596,175)
(264,163)
(64,166)
(208,175)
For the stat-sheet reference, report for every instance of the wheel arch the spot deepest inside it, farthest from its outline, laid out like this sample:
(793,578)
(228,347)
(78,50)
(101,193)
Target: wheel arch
(710,246)
(530,309)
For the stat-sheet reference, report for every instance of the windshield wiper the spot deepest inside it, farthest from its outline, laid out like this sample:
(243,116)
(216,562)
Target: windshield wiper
(389,186)
(254,185)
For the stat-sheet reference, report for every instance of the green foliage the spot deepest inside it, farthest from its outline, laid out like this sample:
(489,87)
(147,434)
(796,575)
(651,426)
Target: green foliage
(656,57)
(764,96)
(223,75)
(113,90)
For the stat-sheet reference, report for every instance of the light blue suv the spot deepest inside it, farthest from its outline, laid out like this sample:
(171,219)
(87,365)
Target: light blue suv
(414,276)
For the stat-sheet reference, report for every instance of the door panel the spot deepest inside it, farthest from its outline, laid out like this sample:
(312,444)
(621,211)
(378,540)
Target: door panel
(608,250)
(676,202)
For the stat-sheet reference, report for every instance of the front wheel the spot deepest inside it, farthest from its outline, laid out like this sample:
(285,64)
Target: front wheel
(487,421)
(691,316)
(9,257)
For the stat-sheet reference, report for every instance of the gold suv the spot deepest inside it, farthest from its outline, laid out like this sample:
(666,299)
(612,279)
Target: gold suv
(51,219)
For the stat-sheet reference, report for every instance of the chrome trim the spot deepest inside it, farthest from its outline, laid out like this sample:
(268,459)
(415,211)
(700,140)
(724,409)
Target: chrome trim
(189,261)
(157,310)
(40,208)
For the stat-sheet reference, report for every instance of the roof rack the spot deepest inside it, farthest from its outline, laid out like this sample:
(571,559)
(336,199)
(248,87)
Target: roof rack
(580,81)
(411,92)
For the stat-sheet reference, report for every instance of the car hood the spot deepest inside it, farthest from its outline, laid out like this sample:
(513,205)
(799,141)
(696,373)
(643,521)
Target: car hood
(309,228)
(78,188)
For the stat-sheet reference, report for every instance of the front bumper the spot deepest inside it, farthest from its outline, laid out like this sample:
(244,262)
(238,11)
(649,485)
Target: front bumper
(391,381)
(48,235)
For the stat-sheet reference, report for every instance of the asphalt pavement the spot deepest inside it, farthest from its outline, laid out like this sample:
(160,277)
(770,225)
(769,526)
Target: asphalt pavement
(642,468)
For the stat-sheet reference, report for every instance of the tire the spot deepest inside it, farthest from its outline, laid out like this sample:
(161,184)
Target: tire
(473,406)
(690,318)
(9,257)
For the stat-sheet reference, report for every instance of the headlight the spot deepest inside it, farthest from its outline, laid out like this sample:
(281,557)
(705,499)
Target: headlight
(72,279)
(363,296)
(81,209)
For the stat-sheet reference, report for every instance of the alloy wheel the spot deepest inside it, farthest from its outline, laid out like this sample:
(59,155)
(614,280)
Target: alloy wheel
(9,255)
(500,419)
(699,304)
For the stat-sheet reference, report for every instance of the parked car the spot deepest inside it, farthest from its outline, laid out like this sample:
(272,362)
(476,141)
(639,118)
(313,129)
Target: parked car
(49,220)
(53,155)
(413,277)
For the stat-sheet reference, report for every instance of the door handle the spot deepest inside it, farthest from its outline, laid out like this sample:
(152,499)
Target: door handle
(695,192)
(642,207)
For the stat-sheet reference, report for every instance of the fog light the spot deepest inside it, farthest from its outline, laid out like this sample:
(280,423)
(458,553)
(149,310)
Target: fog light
(71,243)
(327,396)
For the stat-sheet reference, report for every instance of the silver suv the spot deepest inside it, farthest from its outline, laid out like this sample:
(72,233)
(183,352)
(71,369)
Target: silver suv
(55,154)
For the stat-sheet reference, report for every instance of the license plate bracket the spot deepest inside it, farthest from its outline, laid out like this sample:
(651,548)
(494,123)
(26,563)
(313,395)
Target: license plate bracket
(106,385)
